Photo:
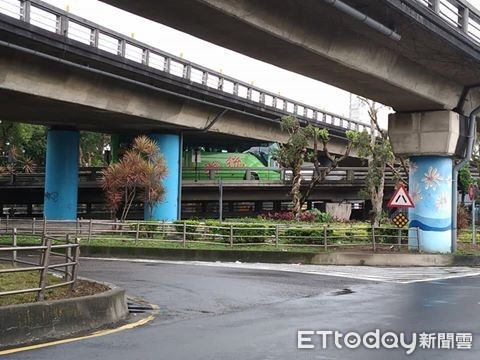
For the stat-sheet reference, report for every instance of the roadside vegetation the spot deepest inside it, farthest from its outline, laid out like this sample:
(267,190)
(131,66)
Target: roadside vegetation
(29,279)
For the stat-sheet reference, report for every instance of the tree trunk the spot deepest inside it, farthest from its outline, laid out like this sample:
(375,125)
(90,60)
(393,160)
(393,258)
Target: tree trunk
(376,197)
(296,194)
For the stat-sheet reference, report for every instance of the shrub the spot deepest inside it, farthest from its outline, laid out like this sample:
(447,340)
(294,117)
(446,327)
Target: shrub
(306,216)
(278,216)
(243,233)
(146,229)
(192,227)
(307,236)
(351,235)
(322,217)
(386,235)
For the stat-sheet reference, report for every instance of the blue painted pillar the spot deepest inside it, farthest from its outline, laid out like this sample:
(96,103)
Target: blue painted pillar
(170,146)
(61,175)
(430,186)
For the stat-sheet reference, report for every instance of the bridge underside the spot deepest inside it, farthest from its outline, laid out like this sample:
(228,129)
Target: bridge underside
(38,91)
(427,70)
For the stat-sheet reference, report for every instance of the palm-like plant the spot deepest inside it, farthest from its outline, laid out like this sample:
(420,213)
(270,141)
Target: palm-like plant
(17,163)
(138,175)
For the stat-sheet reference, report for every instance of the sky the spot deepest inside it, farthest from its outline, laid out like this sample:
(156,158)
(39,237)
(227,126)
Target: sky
(266,76)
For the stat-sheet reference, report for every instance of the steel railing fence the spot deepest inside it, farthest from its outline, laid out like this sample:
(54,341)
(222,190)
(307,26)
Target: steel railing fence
(229,234)
(458,14)
(57,254)
(341,174)
(75,28)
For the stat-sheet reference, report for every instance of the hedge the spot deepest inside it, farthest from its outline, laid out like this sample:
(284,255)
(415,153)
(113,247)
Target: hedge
(242,233)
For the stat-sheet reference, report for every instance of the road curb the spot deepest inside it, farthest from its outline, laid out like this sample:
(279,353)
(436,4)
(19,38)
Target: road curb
(33,323)
(279,257)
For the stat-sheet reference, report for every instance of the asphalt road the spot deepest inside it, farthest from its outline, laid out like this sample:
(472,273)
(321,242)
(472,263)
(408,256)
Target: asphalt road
(209,312)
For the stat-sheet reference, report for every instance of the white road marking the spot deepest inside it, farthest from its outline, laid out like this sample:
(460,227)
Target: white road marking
(399,275)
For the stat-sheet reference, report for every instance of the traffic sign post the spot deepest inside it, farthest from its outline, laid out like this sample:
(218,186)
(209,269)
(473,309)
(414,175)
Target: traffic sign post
(401,199)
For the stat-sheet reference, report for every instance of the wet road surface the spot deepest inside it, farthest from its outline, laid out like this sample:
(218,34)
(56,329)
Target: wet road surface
(215,312)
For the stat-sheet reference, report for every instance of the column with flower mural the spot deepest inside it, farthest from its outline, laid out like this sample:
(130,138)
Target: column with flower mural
(430,184)
(430,140)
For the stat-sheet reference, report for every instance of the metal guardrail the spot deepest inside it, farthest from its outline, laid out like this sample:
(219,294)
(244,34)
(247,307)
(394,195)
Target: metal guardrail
(458,14)
(75,28)
(184,233)
(271,174)
(50,249)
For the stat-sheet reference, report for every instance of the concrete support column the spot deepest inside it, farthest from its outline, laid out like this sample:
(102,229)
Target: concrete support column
(430,140)
(61,175)
(430,186)
(170,145)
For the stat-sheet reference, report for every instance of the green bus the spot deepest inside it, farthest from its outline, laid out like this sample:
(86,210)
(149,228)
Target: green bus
(253,164)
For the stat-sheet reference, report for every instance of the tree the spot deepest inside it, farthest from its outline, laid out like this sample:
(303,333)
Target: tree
(138,175)
(25,140)
(465,179)
(16,162)
(292,155)
(376,148)
(92,146)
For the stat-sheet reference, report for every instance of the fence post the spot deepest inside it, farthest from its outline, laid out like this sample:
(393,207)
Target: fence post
(399,239)
(184,234)
(277,230)
(373,239)
(325,242)
(231,236)
(6,223)
(25,11)
(44,272)
(76,256)
(90,225)
(44,230)
(77,227)
(33,226)
(68,256)
(137,232)
(14,244)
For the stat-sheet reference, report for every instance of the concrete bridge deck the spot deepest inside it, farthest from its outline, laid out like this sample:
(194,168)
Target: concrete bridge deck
(428,65)
(62,70)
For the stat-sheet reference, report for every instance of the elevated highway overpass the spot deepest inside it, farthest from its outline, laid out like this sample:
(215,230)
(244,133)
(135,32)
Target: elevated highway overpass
(63,71)
(426,59)
(421,57)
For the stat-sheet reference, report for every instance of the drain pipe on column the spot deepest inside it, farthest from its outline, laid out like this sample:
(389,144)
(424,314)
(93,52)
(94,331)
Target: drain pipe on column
(470,143)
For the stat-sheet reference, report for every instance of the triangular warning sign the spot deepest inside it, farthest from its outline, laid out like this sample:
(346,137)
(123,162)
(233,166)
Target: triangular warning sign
(401,199)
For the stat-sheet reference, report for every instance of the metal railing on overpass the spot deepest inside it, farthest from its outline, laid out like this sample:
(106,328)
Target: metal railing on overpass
(50,18)
(204,176)
(457,13)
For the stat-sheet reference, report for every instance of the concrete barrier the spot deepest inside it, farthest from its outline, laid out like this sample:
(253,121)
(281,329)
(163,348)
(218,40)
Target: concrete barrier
(50,320)
(333,258)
